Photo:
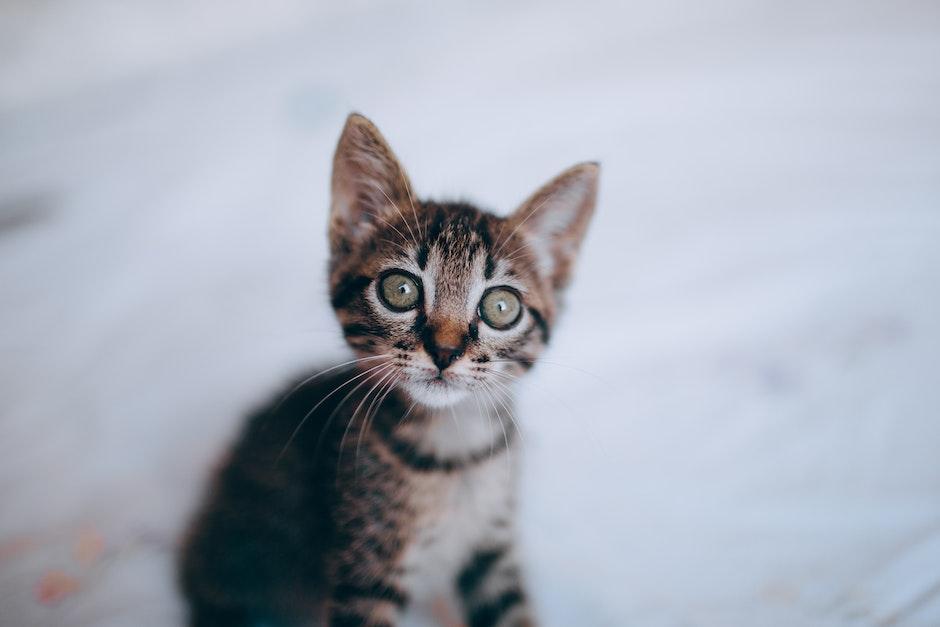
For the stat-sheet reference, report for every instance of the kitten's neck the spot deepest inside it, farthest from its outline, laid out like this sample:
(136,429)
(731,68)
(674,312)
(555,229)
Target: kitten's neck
(472,426)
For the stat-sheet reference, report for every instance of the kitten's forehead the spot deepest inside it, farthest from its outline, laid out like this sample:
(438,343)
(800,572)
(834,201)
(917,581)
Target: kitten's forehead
(456,271)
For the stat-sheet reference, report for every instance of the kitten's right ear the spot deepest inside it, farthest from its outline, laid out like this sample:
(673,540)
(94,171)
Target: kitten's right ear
(369,186)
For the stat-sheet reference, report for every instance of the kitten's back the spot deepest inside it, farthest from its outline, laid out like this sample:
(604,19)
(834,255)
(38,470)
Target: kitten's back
(260,540)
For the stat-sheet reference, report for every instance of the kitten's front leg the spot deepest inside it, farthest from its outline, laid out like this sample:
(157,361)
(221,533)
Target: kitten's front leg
(360,604)
(490,588)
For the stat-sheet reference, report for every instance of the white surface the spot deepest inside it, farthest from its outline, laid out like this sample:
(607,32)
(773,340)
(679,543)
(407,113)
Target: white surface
(755,439)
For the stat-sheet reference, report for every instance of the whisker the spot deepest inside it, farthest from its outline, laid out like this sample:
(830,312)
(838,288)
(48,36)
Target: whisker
(598,444)
(411,201)
(323,400)
(370,415)
(379,187)
(382,376)
(363,179)
(524,220)
(501,426)
(400,246)
(508,394)
(453,417)
(518,252)
(392,226)
(483,412)
(320,374)
(406,414)
(539,360)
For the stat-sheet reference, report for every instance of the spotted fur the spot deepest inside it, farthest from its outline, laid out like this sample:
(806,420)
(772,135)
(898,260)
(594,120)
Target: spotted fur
(390,480)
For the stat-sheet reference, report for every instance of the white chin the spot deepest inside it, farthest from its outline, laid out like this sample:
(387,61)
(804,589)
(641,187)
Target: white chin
(434,393)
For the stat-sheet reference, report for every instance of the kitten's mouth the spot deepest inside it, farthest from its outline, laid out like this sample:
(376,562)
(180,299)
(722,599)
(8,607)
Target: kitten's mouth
(437,390)
(440,382)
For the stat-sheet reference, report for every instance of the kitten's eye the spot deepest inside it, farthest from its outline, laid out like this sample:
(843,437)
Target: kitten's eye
(500,308)
(399,290)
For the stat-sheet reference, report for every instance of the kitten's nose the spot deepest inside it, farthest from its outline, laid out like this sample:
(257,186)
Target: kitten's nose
(443,356)
(444,343)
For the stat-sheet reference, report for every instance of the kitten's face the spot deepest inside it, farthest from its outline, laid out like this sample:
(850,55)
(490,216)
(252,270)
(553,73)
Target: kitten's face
(443,299)
(454,308)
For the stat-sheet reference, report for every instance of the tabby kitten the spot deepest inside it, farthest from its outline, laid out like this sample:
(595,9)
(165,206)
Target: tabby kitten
(389,479)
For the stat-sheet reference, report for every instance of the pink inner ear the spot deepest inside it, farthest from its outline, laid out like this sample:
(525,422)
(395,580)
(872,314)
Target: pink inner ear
(555,219)
(368,183)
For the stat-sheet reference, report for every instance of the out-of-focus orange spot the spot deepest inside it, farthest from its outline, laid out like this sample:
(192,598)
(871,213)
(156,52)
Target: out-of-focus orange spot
(15,547)
(55,586)
(444,614)
(88,547)
(779,591)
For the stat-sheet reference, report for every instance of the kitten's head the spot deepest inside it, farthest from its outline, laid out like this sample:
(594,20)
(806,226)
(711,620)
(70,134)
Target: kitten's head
(443,298)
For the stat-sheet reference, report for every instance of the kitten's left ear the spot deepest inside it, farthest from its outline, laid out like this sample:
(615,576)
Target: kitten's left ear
(555,218)
(369,186)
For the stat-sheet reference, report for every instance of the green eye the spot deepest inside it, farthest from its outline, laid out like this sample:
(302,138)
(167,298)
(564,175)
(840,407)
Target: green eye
(500,307)
(399,291)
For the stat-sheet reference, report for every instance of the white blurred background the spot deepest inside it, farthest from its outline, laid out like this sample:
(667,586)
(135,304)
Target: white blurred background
(740,425)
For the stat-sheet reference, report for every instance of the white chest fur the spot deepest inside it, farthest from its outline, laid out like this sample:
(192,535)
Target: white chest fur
(463,511)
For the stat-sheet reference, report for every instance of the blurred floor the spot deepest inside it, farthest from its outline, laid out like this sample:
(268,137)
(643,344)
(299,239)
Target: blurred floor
(739,421)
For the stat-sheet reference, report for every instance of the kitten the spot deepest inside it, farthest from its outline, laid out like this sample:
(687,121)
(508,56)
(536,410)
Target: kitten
(390,479)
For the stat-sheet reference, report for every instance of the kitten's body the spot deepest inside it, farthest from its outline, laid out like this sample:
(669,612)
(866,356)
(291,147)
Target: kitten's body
(396,520)
(366,488)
